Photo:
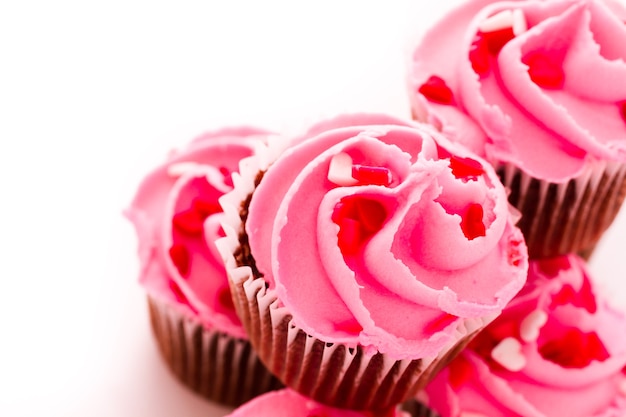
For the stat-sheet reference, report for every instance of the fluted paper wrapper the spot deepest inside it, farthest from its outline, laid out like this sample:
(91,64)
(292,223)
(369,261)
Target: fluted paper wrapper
(330,373)
(558,219)
(217,366)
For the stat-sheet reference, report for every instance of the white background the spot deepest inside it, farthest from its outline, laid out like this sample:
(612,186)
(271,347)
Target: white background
(92,96)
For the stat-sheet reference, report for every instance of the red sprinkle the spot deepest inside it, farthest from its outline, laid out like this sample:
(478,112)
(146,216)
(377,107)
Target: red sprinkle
(514,252)
(552,266)
(371,175)
(349,326)
(349,237)
(436,90)
(479,55)
(460,371)
(544,70)
(225,299)
(205,207)
(582,299)
(472,222)
(180,258)
(228,180)
(497,39)
(189,222)
(358,219)
(622,109)
(575,349)
(466,168)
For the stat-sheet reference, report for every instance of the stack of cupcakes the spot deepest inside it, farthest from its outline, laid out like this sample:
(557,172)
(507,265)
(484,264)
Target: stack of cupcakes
(372,261)
(177,218)
(537,88)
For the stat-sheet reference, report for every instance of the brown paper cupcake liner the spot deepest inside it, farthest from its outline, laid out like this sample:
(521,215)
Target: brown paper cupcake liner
(330,373)
(215,365)
(566,218)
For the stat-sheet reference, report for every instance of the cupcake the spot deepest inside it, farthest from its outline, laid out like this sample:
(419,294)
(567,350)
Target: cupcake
(288,403)
(557,350)
(365,257)
(537,87)
(177,218)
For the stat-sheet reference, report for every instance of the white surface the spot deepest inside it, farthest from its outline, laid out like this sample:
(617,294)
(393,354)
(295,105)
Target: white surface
(92,96)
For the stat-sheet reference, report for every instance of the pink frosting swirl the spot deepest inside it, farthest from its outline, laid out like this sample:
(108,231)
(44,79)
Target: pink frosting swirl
(288,403)
(556,350)
(378,235)
(177,218)
(528,82)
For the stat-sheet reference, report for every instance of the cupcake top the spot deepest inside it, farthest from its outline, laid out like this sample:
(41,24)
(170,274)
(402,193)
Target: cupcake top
(288,403)
(528,82)
(177,218)
(360,228)
(556,350)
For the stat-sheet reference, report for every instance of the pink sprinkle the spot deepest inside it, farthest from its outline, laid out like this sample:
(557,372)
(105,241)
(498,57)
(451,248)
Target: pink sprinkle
(544,70)
(371,175)
(436,90)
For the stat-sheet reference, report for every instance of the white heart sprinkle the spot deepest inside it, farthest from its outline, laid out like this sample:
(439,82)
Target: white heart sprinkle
(622,387)
(498,21)
(509,354)
(340,170)
(531,325)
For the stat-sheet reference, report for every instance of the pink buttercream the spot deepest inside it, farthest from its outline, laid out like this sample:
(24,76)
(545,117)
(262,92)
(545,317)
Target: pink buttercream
(398,266)
(288,403)
(554,92)
(177,218)
(567,359)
